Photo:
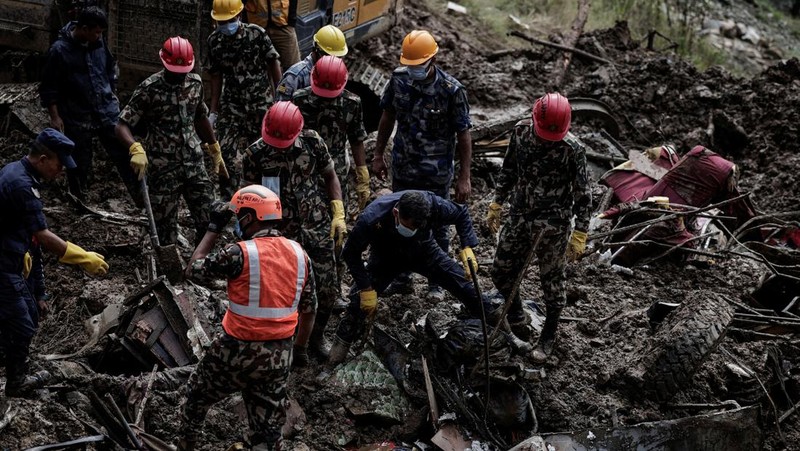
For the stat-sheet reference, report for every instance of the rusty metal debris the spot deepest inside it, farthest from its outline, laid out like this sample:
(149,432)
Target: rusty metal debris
(155,327)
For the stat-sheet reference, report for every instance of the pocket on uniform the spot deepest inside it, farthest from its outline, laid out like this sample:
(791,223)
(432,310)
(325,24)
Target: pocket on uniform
(434,119)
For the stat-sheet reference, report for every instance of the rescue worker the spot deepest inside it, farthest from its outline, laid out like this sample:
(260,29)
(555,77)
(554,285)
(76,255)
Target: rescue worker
(335,114)
(397,229)
(432,114)
(21,223)
(328,40)
(241,90)
(169,106)
(271,292)
(277,17)
(77,88)
(544,175)
(295,164)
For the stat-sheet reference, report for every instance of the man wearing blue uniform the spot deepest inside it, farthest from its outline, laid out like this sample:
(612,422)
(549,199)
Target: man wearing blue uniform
(397,230)
(22,222)
(432,114)
(328,40)
(77,88)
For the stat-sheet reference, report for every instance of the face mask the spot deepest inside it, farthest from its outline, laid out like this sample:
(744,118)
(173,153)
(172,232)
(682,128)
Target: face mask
(237,229)
(418,73)
(404,231)
(230,28)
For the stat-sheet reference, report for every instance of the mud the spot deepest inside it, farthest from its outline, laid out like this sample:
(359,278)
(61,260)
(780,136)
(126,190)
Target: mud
(657,97)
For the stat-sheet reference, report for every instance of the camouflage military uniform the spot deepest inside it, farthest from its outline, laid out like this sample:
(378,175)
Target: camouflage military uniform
(242,60)
(337,121)
(550,185)
(175,160)
(296,77)
(259,369)
(429,115)
(296,174)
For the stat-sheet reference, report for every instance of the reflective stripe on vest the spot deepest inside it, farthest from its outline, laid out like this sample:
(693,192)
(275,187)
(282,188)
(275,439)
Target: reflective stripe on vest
(253,309)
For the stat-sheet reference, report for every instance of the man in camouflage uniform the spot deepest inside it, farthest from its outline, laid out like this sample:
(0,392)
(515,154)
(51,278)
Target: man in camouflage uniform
(432,115)
(335,114)
(296,165)
(241,90)
(328,40)
(257,347)
(169,106)
(544,173)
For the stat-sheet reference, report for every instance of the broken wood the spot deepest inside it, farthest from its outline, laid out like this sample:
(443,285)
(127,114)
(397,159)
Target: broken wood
(431,395)
(575,32)
(145,397)
(533,40)
(122,420)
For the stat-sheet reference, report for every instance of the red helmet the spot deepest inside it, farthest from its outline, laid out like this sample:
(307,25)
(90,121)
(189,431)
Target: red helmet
(551,117)
(177,55)
(260,199)
(281,125)
(328,77)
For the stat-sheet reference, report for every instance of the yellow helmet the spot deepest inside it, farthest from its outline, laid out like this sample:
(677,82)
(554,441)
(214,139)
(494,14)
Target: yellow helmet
(226,9)
(331,40)
(418,46)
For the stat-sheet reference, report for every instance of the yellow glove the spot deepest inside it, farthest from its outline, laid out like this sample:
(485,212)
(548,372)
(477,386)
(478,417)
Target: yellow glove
(338,228)
(577,244)
(138,159)
(27,265)
(369,301)
(468,257)
(362,186)
(91,262)
(213,150)
(494,216)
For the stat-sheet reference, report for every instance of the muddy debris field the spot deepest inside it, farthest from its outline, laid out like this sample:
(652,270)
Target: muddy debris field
(605,370)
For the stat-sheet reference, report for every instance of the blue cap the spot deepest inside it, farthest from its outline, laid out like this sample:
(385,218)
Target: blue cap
(55,141)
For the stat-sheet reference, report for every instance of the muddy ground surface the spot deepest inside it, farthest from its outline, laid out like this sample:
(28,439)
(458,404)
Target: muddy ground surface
(658,97)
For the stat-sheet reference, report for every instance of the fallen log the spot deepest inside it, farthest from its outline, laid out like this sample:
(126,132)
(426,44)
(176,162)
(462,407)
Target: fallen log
(533,40)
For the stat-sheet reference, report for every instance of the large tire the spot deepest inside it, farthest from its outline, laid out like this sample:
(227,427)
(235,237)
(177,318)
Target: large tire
(682,344)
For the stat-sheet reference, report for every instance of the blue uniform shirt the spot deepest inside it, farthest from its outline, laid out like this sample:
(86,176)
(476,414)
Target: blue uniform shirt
(80,80)
(22,213)
(296,77)
(376,228)
(429,115)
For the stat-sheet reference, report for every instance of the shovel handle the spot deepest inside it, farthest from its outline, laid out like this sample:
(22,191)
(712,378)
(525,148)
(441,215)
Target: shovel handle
(149,208)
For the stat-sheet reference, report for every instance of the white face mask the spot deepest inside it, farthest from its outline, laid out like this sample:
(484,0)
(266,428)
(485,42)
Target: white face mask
(419,72)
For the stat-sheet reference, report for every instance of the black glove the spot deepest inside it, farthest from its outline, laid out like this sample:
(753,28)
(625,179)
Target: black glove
(300,356)
(221,215)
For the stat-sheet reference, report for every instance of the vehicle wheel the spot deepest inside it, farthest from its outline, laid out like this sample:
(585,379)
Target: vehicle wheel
(669,360)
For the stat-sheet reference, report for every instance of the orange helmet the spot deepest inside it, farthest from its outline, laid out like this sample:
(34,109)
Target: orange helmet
(260,199)
(552,116)
(418,46)
(177,55)
(329,77)
(282,124)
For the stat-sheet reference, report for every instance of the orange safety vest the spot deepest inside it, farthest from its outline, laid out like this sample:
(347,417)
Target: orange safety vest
(264,297)
(264,12)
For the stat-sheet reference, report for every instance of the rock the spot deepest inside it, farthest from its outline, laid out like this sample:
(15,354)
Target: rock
(711,24)
(751,36)
(728,28)
(741,29)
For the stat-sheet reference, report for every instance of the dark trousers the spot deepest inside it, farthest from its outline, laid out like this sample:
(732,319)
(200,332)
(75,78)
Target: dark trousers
(425,258)
(19,320)
(84,156)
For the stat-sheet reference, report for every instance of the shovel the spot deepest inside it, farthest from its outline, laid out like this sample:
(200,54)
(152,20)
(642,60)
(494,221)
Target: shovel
(168,261)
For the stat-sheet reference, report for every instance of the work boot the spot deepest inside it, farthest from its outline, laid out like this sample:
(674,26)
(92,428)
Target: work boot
(547,339)
(435,293)
(339,351)
(319,346)
(403,284)
(341,304)
(185,444)
(20,387)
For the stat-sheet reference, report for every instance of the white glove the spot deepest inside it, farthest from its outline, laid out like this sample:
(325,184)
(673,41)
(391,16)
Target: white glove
(212,117)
